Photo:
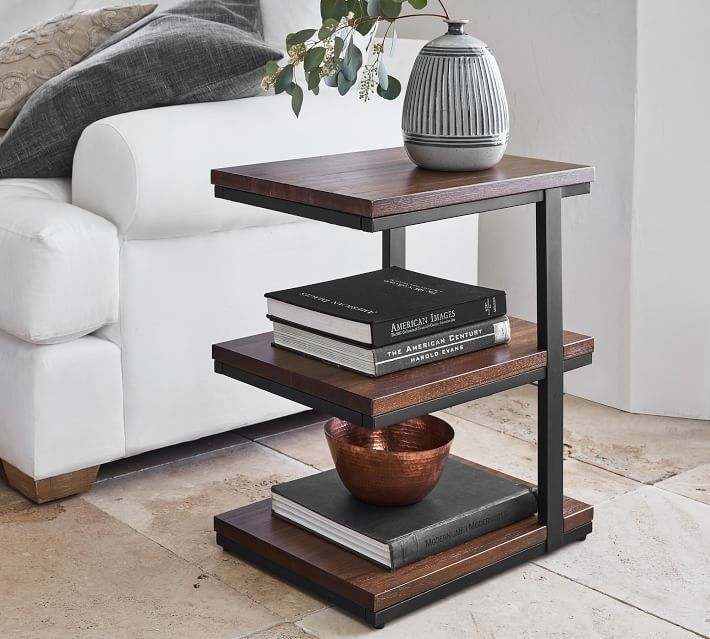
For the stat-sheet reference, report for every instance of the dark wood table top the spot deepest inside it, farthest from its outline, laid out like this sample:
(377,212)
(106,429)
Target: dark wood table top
(378,395)
(385,182)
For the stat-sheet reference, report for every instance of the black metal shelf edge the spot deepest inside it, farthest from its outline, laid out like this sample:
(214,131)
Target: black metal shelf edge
(401,220)
(394,417)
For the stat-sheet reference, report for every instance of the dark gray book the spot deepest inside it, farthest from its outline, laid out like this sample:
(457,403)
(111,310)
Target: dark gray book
(395,357)
(385,306)
(466,503)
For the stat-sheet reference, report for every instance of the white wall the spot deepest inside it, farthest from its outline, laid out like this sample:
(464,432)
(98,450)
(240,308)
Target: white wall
(670,291)
(569,73)
(622,85)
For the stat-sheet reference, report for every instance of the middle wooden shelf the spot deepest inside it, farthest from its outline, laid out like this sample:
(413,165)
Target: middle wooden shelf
(387,400)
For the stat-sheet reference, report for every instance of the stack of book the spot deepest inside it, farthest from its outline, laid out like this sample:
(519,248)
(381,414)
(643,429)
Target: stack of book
(387,320)
(378,323)
(466,503)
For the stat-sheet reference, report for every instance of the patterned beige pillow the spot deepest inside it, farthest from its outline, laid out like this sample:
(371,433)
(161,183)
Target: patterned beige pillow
(43,51)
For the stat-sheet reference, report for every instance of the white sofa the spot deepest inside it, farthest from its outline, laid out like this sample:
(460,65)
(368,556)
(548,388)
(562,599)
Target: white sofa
(114,284)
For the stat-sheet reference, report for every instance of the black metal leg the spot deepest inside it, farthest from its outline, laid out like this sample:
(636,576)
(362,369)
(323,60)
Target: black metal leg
(393,247)
(549,337)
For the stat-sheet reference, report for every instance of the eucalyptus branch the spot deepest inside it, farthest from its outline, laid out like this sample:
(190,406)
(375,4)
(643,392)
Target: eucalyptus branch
(338,60)
(417,15)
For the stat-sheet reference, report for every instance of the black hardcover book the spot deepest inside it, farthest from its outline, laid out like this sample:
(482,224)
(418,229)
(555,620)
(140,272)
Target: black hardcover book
(395,357)
(386,306)
(466,503)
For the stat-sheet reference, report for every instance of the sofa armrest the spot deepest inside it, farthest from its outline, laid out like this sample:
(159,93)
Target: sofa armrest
(58,264)
(148,172)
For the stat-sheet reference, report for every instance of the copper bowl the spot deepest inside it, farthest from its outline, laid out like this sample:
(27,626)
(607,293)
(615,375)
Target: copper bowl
(395,466)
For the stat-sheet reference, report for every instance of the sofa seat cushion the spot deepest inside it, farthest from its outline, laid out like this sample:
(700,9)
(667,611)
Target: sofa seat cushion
(58,264)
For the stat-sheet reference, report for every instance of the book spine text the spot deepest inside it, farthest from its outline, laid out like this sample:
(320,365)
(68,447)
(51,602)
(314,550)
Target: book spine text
(425,350)
(410,327)
(454,532)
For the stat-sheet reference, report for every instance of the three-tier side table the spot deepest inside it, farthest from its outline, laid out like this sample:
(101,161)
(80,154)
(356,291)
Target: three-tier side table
(382,191)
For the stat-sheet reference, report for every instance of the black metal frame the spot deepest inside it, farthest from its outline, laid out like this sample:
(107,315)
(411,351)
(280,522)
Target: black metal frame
(401,220)
(548,234)
(548,217)
(393,417)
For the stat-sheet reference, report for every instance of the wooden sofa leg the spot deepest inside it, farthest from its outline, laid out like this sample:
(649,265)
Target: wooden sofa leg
(44,490)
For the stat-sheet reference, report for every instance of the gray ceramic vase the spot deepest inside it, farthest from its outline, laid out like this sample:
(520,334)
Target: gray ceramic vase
(455,112)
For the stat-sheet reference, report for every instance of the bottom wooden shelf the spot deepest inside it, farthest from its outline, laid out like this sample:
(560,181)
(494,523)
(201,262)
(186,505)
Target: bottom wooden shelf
(373,593)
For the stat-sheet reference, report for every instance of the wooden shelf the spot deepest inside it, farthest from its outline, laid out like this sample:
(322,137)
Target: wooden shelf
(384,182)
(383,401)
(373,592)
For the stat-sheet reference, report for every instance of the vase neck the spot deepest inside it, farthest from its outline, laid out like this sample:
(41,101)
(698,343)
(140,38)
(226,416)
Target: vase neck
(457,27)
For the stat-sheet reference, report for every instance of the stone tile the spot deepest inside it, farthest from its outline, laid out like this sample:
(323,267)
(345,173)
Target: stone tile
(650,549)
(513,412)
(281,597)
(170,454)
(642,447)
(519,458)
(174,505)
(693,483)
(69,570)
(8,496)
(283,631)
(525,602)
(305,444)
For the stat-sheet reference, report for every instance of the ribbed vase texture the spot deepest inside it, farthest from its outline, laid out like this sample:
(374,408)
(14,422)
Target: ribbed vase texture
(455,111)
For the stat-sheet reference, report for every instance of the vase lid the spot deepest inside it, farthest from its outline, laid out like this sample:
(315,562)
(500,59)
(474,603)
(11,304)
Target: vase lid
(457,39)
(456,27)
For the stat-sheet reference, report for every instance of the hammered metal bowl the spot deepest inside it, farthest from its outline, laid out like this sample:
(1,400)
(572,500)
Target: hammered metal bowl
(395,466)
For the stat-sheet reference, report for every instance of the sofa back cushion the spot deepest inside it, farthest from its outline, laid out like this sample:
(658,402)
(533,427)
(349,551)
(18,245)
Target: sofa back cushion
(199,51)
(282,17)
(16,15)
(38,53)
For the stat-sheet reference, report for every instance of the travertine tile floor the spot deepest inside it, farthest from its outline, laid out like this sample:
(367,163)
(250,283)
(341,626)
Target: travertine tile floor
(136,557)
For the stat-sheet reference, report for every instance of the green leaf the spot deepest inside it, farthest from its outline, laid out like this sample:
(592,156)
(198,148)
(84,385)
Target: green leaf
(327,29)
(374,8)
(418,4)
(271,68)
(296,99)
(365,26)
(394,88)
(391,8)
(339,45)
(384,5)
(334,9)
(382,75)
(314,58)
(384,8)
(314,79)
(299,37)
(316,90)
(284,79)
(355,7)
(352,62)
(344,85)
